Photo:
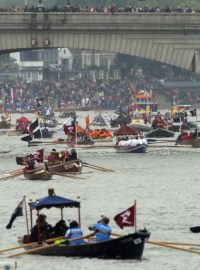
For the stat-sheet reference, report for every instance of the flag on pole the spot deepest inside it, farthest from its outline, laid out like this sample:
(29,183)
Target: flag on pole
(33,126)
(70,130)
(87,121)
(193,112)
(17,213)
(126,218)
(31,131)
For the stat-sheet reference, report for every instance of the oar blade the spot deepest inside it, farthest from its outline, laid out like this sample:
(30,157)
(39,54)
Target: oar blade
(195,229)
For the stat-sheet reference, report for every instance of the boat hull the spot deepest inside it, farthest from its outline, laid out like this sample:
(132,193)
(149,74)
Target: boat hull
(160,133)
(126,247)
(38,175)
(5,125)
(141,148)
(72,166)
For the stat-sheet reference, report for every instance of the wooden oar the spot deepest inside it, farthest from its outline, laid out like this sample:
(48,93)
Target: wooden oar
(96,167)
(11,176)
(67,175)
(172,247)
(177,243)
(46,247)
(29,244)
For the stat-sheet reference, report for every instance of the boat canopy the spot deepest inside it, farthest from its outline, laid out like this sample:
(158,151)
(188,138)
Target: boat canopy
(53,201)
(125,130)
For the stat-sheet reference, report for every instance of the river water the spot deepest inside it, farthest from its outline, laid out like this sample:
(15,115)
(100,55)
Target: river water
(164,182)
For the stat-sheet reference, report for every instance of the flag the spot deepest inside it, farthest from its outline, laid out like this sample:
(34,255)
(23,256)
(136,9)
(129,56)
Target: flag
(27,138)
(126,218)
(193,112)
(29,131)
(70,129)
(40,155)
(87,120)
(17,213)
(33,126)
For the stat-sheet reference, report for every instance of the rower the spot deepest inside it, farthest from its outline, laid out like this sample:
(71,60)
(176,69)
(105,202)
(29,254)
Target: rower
(73,155)
(74,231)
(101,229)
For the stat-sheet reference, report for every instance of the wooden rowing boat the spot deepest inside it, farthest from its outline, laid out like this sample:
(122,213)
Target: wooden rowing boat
(38,175)
(71,166)
(129,246)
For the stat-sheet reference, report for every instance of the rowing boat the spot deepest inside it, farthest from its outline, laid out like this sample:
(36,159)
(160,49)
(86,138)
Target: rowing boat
(71,166)
(140,148)
(128,246)
(38,175)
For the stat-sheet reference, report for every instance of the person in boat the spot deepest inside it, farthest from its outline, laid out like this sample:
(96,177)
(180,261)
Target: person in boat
(73,155)
(101,229)
(60,228)
(30,164)
(74,231)
(64,155)
(53,156)
(42,229)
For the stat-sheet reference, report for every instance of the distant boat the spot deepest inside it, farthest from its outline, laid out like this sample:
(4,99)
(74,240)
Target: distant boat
(160,133)
(144,100)
(140,148)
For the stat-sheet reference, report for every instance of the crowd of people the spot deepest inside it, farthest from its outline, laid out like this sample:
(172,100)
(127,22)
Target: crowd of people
(101,94)
(112,8)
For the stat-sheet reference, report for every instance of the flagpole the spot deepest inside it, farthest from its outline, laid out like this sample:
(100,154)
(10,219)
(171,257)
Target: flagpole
(26,214)
(135,204)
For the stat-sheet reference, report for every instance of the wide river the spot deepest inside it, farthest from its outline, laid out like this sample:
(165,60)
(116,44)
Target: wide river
(164,182)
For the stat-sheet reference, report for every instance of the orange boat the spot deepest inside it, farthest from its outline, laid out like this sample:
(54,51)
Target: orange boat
(100,134)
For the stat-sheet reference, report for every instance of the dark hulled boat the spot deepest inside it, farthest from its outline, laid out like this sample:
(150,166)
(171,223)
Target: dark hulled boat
(160,133)
(140,148)
(129,246)
(71,166)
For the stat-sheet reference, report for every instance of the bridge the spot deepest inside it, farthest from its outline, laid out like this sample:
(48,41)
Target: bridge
(169,38)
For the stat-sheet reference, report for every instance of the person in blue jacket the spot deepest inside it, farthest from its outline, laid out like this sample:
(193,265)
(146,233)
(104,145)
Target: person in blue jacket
(102,230)
(74,231)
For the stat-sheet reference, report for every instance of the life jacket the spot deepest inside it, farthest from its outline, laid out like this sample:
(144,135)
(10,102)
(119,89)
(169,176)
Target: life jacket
(102,232)
(75,233)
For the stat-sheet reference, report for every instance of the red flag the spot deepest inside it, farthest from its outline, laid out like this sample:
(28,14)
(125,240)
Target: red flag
(70,130)
(87,120)
(41,155)
(126,218)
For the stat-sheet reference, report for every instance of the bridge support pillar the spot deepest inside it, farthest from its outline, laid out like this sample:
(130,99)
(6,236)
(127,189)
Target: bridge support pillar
(195,65)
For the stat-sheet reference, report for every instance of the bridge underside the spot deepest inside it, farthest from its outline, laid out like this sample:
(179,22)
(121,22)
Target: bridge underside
(174,51)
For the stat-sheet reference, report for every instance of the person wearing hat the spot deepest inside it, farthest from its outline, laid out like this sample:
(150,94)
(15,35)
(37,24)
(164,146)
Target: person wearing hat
(42,229)
(101,229)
